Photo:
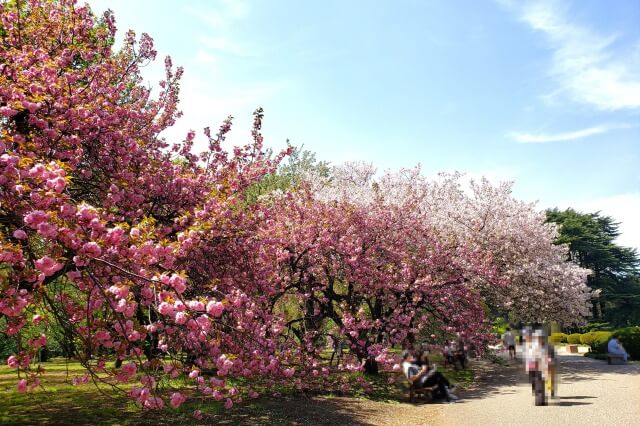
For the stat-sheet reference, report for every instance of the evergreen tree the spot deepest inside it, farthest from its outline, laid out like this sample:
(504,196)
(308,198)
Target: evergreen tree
(615,274)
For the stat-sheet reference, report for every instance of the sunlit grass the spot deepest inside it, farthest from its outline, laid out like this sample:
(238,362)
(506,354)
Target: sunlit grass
(58,401)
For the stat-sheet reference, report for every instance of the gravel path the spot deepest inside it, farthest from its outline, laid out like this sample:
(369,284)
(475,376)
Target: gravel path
(590,392)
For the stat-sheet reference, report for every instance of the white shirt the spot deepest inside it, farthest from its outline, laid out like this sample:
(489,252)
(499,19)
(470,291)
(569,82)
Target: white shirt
(508,338)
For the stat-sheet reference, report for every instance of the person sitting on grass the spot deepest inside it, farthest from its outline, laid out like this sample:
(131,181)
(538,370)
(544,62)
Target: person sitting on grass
(426,376)
(615,348)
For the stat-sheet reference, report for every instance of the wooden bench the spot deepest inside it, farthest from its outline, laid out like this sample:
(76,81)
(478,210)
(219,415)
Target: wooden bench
(414,390)
(613,358)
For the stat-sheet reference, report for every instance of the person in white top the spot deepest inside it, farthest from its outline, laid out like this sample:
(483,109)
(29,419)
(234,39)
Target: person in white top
(509,342)
(425,376)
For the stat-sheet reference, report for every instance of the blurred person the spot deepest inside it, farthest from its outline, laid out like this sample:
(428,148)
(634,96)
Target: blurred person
(615,348)
(509,342)
(426,376)
(525,341)
(338,348)
(447,351)
(540,364)
(422,355)
(460,350)
(552,375)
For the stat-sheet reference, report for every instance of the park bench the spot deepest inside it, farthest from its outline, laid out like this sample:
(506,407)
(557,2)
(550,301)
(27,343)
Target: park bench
(615,359)
(415,390)
(427,391)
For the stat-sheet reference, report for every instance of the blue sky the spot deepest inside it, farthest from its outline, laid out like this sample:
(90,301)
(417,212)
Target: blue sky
(544,93)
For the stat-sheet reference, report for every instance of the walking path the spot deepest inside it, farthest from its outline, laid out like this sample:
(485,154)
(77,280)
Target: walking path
(590,392)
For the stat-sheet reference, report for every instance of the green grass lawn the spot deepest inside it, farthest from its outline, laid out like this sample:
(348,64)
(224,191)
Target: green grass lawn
(60,402)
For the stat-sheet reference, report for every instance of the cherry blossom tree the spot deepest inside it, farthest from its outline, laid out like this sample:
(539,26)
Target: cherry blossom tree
(371,273)
(542,284)
(99,214)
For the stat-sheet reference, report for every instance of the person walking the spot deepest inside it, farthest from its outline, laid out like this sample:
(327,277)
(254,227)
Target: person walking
(509,342)
(540,364)
(460,350)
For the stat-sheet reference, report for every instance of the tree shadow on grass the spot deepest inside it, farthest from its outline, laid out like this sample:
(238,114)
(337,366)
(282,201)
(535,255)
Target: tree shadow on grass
(299,411)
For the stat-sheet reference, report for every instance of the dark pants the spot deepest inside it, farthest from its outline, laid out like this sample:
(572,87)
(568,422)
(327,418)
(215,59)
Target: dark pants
(462,357)
(537,385)
(437,379)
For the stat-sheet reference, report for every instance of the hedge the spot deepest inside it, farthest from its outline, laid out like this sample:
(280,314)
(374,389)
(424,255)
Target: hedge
(598,340)
(556,338)
(574,339)
(630,339)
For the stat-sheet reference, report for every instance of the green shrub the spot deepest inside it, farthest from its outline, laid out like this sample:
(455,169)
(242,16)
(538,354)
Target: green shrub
(587,338)
(500,326)
(574,338)
(598,340)
(598,326)
(630,339)
(8,346)
(556,338)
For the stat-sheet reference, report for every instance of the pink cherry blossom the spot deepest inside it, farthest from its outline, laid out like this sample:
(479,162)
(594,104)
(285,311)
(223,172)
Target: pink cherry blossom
(13,362)
(48,266)
(181,318)
(165,308)
(91,249)
(177,399)
(215,309)
(19,234)
(22,386)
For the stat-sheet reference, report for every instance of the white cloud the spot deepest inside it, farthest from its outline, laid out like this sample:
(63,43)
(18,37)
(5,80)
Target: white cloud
(204,57)
(587,65)
(556,137)
(525,137)
(222,13)
(223,44)
(220,37)
(236,8)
